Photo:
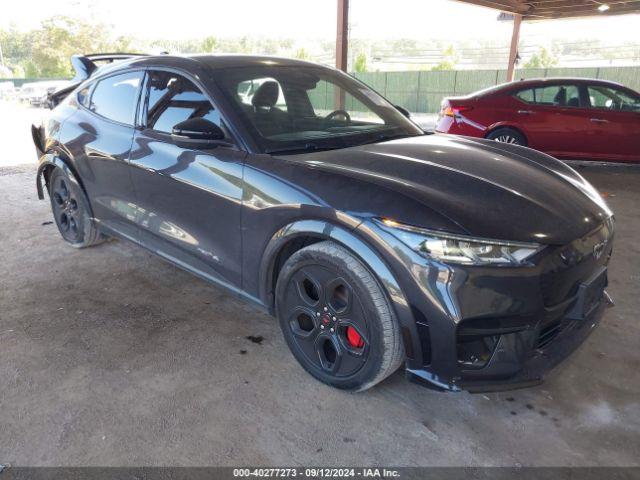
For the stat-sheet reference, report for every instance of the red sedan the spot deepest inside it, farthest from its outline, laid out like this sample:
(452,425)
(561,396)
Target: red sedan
(569,118)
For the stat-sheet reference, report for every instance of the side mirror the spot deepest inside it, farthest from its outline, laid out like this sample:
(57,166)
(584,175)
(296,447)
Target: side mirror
(403,111)
(197,132)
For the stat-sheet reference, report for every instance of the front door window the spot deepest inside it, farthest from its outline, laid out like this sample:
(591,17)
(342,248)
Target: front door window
(174,99)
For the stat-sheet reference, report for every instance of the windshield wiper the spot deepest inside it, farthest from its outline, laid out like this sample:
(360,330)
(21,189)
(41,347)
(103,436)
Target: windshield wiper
(309,147)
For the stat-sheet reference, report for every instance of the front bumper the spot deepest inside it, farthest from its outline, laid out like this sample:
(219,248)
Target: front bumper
(495,328)
(529,368)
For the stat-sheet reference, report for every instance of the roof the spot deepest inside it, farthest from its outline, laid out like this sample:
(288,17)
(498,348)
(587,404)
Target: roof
(565,79)
(549,9)
(85,67)
(192,61)
(217,60)
(223,60)
(531,82)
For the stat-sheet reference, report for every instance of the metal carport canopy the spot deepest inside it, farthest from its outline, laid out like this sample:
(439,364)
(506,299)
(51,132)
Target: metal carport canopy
(551,9)
(521,9)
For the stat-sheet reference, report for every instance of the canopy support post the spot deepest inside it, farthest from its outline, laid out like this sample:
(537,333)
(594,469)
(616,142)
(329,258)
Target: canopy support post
(342,48)
(513,52)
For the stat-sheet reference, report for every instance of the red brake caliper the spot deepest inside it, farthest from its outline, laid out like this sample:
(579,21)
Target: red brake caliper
(354,338)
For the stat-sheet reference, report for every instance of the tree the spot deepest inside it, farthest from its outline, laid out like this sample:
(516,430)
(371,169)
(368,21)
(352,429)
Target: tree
(209,44)
(60,37)
(16,49)
(30,70)
(360,64)
(302,54)
(19,72)
(542,59)
(449,60)
(45,51)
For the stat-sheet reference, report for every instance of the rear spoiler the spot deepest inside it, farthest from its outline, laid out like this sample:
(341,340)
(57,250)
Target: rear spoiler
(85,66)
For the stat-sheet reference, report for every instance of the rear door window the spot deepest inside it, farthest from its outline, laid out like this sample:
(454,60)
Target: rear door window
(116,97)
(552,96)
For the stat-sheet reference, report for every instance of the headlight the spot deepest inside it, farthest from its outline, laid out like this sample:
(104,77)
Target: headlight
(450,248)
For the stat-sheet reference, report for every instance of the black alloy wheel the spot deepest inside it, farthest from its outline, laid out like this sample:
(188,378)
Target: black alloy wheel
(71,212)
(336,318)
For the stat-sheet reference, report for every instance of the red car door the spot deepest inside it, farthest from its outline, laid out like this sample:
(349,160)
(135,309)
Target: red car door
(554,119)
(614,115)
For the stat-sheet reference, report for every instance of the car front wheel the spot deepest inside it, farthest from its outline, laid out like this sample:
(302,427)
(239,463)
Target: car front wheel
(336,318)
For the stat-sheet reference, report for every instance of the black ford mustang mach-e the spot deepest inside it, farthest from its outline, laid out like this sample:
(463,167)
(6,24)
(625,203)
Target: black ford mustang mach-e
(475,264)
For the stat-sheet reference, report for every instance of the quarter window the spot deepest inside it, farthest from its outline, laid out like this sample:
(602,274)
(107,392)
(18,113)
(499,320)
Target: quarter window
(174,99)
(83,96)
(613,99)
(553,95)
(116,97)
(527,95)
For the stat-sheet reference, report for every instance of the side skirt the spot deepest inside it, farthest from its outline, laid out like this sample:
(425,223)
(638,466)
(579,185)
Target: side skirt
(235,291)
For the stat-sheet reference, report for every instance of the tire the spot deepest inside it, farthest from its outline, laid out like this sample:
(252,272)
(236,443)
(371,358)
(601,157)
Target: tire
(508,135)
(336,318)
(71,211)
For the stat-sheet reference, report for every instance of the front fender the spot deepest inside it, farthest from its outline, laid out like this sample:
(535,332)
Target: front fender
(359,247)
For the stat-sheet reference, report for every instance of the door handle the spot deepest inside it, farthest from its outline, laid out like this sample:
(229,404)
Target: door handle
(599,120)
(525,112)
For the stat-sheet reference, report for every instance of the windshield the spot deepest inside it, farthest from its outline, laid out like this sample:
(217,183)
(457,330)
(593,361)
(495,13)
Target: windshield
(294,108)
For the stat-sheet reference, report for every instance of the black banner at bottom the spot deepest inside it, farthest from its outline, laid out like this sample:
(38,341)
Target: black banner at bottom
(224,473)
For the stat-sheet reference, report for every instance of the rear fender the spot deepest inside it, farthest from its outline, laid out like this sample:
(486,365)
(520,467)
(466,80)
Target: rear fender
(38,135)
(506,124)
(51,160)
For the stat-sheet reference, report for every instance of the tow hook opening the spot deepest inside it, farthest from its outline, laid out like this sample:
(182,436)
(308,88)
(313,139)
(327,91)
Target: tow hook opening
(475,351)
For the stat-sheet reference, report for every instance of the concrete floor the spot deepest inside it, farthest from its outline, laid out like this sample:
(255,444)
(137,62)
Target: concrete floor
(110,356)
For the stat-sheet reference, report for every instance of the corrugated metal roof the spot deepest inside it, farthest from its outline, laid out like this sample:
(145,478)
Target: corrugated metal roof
(549,9)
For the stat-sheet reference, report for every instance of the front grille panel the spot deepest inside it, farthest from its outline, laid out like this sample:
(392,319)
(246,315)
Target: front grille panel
(574,263)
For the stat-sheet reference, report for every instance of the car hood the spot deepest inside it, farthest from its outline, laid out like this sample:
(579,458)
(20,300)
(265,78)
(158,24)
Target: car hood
(486,189)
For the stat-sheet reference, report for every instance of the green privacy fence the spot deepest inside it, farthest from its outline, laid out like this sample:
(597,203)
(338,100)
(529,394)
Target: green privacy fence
(423,91)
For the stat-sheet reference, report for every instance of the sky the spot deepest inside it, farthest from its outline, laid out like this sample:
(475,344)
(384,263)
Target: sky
(370,19)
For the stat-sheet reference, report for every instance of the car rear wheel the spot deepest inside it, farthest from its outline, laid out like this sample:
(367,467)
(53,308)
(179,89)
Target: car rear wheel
(508,135)
(71,211)
(336,319)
